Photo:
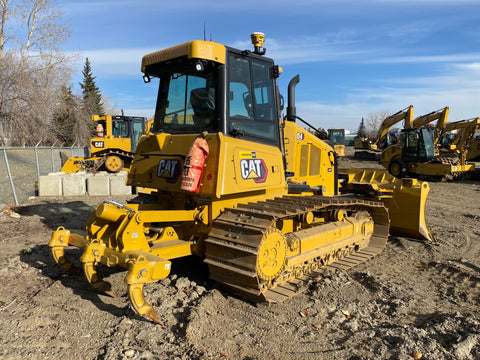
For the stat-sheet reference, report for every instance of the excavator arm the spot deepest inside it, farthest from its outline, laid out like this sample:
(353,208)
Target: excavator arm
(405,114)
(466,131)
(440,115)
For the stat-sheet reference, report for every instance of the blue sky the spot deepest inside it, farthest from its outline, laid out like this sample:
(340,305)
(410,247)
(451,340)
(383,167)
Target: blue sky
(354,58)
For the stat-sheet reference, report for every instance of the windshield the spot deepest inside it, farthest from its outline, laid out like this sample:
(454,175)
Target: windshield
(427,148)
(186,101)
(119,128)
(137,132)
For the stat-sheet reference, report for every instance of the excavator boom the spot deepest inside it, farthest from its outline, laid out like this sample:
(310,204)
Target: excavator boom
(440,116)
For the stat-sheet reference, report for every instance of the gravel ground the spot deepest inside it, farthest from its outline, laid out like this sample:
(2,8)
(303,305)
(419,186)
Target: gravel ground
(415,300)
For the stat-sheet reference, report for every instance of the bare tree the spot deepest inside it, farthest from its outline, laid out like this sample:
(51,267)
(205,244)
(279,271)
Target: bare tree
(32,67)
(7,9)
(373,122)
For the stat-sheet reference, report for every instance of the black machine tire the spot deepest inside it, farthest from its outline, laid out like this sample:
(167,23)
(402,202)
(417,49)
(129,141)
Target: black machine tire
(397,168)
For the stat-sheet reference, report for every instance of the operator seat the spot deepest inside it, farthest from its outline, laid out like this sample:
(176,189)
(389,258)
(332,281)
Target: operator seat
(203,105)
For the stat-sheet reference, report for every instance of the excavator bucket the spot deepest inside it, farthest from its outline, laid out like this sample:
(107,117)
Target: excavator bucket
(405,199)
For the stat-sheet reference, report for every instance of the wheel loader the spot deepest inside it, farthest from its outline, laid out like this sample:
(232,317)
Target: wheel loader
(255,194)
(113,148)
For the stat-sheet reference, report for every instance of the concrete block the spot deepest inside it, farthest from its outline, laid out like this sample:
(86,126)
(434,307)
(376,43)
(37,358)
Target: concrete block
(50,185)
(98,185)
(75,184)
(117,184)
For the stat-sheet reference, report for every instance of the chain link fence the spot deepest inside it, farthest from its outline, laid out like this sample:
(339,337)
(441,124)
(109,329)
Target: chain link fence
(20,168)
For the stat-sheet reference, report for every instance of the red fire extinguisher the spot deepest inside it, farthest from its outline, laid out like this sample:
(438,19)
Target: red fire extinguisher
(193,166)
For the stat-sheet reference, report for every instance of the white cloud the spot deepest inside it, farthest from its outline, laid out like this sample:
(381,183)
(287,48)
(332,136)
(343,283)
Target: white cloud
(125,61)
(148,113)
(460,90)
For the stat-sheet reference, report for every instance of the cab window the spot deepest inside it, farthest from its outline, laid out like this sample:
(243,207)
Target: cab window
(137,132)
(119,128)
(187,102)
(251,99)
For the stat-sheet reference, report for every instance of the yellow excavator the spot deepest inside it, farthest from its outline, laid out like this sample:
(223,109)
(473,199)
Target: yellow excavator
(463,143)
(258,196)
(114,146)
(371,150)
(441,117)
(417,155)
(422,121)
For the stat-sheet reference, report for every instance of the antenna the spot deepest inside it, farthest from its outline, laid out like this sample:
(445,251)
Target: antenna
(204,36)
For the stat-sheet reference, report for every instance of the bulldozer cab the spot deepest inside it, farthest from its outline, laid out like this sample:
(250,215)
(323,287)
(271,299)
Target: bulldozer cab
(127,127)
(418,144)
(237,98)
(120,133)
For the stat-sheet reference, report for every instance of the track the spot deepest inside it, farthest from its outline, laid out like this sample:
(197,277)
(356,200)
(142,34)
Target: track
(240,240)
(125,156)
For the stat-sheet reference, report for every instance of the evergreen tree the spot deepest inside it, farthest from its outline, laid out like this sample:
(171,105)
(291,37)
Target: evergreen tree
(65,116)
(361,129)
(91,98)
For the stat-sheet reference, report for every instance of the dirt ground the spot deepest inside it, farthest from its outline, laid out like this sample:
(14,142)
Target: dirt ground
(414,300)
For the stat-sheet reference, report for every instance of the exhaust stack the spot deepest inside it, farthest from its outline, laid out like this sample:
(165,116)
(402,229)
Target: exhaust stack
(291,110)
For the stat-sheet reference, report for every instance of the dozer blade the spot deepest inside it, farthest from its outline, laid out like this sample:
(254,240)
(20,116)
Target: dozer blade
(405,199)
(75,164)
(72,165)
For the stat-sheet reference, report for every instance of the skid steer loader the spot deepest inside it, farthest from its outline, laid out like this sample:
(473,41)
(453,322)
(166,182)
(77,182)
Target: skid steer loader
(259,197)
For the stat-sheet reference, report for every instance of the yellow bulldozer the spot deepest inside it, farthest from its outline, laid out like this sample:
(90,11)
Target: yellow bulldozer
(255,194)
(114,146)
